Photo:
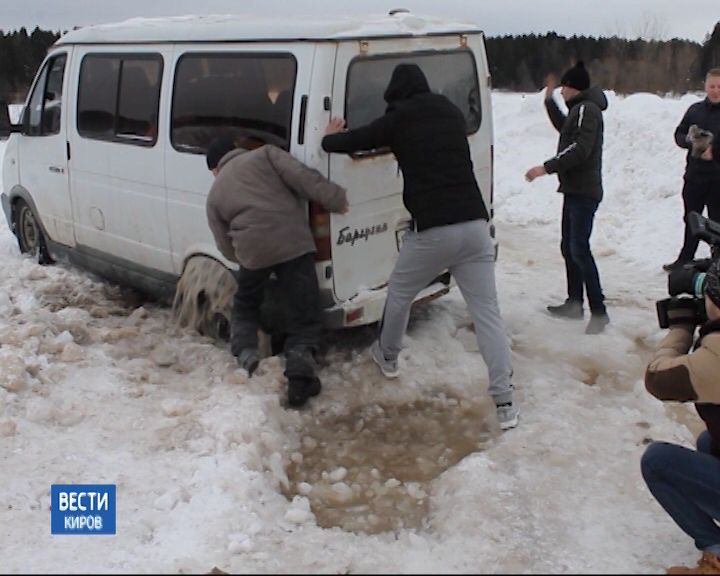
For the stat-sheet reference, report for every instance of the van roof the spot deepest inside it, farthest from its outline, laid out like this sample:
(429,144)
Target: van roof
(234,27)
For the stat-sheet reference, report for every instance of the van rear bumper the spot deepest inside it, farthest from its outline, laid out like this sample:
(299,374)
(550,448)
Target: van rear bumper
(5,199)
(367,307)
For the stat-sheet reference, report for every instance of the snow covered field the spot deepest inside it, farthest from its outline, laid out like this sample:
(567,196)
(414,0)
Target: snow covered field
(96,387)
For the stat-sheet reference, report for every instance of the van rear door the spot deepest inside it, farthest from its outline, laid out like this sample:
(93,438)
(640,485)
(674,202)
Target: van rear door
(365,241)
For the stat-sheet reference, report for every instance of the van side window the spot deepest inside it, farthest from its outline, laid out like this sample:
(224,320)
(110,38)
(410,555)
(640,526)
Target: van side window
(44,109)
(235,94)
(452,73)
(119,97)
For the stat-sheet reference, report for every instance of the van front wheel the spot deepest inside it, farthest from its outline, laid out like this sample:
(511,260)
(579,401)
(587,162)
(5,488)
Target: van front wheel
(29,234)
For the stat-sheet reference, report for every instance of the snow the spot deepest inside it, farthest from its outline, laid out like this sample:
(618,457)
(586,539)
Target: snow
(190,28)
(98,387)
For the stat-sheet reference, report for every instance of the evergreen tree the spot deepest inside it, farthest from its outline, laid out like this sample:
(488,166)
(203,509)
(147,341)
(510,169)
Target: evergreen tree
(711,52)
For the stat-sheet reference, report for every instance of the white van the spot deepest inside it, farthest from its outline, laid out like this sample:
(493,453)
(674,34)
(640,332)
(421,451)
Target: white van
(106,169)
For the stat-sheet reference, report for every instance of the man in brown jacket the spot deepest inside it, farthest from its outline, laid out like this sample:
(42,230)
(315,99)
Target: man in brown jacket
(686,482)
(257,212)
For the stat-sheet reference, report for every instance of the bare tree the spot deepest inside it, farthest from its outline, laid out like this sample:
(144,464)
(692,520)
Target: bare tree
(651,27)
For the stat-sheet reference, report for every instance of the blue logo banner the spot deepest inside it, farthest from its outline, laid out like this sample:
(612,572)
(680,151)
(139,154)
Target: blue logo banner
(82,509)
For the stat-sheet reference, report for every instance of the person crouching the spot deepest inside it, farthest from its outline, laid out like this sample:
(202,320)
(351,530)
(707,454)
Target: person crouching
(257,212)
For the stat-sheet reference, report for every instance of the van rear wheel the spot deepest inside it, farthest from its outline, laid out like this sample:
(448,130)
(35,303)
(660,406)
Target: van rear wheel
(204,296)
(30,237)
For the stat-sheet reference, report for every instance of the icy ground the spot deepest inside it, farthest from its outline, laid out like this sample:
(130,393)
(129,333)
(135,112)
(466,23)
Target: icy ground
(98,387)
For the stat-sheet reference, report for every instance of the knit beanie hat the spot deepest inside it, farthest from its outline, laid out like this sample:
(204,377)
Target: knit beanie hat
(217,149)
(576,77)
(712,282)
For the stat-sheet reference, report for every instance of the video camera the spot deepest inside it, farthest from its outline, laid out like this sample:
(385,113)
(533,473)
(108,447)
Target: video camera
(699,139)
(690,279)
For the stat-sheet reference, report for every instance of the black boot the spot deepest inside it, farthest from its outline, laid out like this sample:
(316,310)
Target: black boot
(249,359)
(598,321)
(301,389)
(568,309)
(679,263)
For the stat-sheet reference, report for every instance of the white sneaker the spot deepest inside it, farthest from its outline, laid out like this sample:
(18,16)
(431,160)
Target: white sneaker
(389,368)
(507,416)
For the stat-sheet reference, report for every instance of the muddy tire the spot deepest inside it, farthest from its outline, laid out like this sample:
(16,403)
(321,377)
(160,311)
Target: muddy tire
(203,297)
(30,237)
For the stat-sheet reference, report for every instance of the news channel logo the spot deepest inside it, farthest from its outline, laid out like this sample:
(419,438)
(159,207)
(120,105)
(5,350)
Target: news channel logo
(82,508)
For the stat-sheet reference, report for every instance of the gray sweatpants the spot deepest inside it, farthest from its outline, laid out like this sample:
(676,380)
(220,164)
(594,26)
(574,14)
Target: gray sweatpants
(466,250)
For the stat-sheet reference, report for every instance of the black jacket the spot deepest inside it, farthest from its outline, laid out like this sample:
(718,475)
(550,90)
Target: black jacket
(578,162)
(707,116)
(427,134)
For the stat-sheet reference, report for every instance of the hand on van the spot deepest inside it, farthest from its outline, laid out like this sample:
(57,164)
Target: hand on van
(335,125)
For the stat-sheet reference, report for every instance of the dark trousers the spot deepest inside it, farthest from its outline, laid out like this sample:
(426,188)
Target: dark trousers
(686,484)
(300,306)
(696,196)
(577,223)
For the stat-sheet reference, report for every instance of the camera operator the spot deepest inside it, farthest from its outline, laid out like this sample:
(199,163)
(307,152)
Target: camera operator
(702,177)
(686,482)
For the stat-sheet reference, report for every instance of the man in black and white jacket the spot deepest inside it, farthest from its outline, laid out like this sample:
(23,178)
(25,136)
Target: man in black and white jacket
(578,164)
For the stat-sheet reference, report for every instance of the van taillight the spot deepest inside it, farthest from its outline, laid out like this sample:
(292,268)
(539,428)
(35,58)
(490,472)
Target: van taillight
(320,227)
(354,315)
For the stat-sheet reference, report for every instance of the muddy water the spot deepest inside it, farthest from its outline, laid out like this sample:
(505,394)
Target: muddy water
(370,470)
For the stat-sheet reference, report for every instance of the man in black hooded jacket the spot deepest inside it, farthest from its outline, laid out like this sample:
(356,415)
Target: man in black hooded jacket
(428,135)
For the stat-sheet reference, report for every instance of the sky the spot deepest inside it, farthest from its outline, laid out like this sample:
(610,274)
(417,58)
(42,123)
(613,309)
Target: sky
(98,387)
(650,19)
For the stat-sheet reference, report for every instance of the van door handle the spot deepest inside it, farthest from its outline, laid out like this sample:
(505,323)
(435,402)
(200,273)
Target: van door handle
(301,124)
(57,170)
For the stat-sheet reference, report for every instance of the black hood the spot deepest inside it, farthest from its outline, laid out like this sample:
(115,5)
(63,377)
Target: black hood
(407,80)
(594,94)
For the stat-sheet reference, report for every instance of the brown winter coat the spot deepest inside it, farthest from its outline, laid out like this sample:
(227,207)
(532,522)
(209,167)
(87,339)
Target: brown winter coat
(256,207)
(675,374)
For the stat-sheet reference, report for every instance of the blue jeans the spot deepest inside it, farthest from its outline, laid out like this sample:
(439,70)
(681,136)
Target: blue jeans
(686,483)
(577,223)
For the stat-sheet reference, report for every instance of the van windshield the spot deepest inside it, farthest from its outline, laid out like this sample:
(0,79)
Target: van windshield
(236,94)
(451,73)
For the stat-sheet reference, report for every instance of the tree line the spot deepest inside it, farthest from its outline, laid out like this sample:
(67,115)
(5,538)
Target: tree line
(517,63)
(520,63)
